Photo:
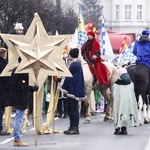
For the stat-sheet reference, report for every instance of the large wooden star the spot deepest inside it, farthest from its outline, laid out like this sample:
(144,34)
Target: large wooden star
(41,54)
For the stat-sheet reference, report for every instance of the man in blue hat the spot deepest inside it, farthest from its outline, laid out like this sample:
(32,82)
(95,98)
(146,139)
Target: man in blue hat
(142,48)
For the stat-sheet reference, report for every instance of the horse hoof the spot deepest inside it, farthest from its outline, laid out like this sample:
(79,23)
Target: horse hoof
(146,122)
(108,119)
(86,121)
(93,113)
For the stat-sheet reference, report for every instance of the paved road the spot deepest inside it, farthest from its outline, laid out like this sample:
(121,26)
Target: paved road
(97,135)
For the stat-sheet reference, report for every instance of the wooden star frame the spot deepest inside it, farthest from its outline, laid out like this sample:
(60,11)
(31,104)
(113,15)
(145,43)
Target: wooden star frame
(41,54)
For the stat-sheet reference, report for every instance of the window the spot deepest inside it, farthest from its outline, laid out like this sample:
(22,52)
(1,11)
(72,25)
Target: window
(117,12)
(139,12)
(127,12)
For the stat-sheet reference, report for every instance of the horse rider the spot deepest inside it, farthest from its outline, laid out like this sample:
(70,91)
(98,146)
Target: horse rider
(91,53)
(142,48)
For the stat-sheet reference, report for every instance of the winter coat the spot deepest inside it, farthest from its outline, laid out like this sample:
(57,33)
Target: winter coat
(4,84)
(142,50)
(3,64)
(74,86)
(20,93)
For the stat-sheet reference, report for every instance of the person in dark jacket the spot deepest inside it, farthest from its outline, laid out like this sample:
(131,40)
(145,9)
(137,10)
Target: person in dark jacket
(142,48)
(20,95)
(3,88)
(74,88)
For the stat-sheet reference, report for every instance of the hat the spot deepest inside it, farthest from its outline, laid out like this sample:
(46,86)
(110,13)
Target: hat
(91,33)
(145,32)
(74,52)
(18,26)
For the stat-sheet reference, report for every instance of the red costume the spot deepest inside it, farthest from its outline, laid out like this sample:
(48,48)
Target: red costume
(91,47)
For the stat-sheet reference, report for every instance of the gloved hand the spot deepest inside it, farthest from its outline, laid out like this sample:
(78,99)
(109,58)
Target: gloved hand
(93,59)
(35,88)
(65,94)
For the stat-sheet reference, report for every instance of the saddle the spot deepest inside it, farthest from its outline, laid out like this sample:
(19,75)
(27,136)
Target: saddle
(99,71)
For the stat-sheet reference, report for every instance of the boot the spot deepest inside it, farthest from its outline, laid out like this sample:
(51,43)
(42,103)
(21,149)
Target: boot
(123,131)
(60,114)
(117,131)
(65,115)
(20,143)
(94,80)
(71,131)
(70,128)
(4,133)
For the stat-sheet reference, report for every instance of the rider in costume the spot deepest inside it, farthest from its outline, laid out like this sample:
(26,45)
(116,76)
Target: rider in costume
(91,53)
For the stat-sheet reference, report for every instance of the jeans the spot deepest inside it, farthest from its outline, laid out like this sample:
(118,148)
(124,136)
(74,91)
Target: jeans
(18,123)
(73,112)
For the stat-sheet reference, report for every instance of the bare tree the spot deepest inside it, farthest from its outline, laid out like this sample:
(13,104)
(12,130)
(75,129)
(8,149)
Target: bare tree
(92,11)
(12,11)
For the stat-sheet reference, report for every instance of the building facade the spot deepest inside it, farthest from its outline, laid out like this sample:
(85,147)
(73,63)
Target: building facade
(126,15)
(130,16)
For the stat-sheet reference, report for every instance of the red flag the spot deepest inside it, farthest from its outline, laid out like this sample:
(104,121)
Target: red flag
(124,45)
(90,27)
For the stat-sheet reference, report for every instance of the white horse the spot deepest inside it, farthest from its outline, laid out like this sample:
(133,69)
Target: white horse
(88,78)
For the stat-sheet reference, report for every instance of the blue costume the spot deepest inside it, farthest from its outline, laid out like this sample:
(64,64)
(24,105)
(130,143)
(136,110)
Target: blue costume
(74,89)
(74,86)
(142,49)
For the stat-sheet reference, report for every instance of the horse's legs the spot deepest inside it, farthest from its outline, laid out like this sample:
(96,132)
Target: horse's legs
(108,98)
(140,106)
(148,110)
(104,91)
(87,108)
(145,114)
(146,120)
(108,113)
(92,103)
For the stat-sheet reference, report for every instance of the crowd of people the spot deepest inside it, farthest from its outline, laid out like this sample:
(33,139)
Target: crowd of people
(124,107)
